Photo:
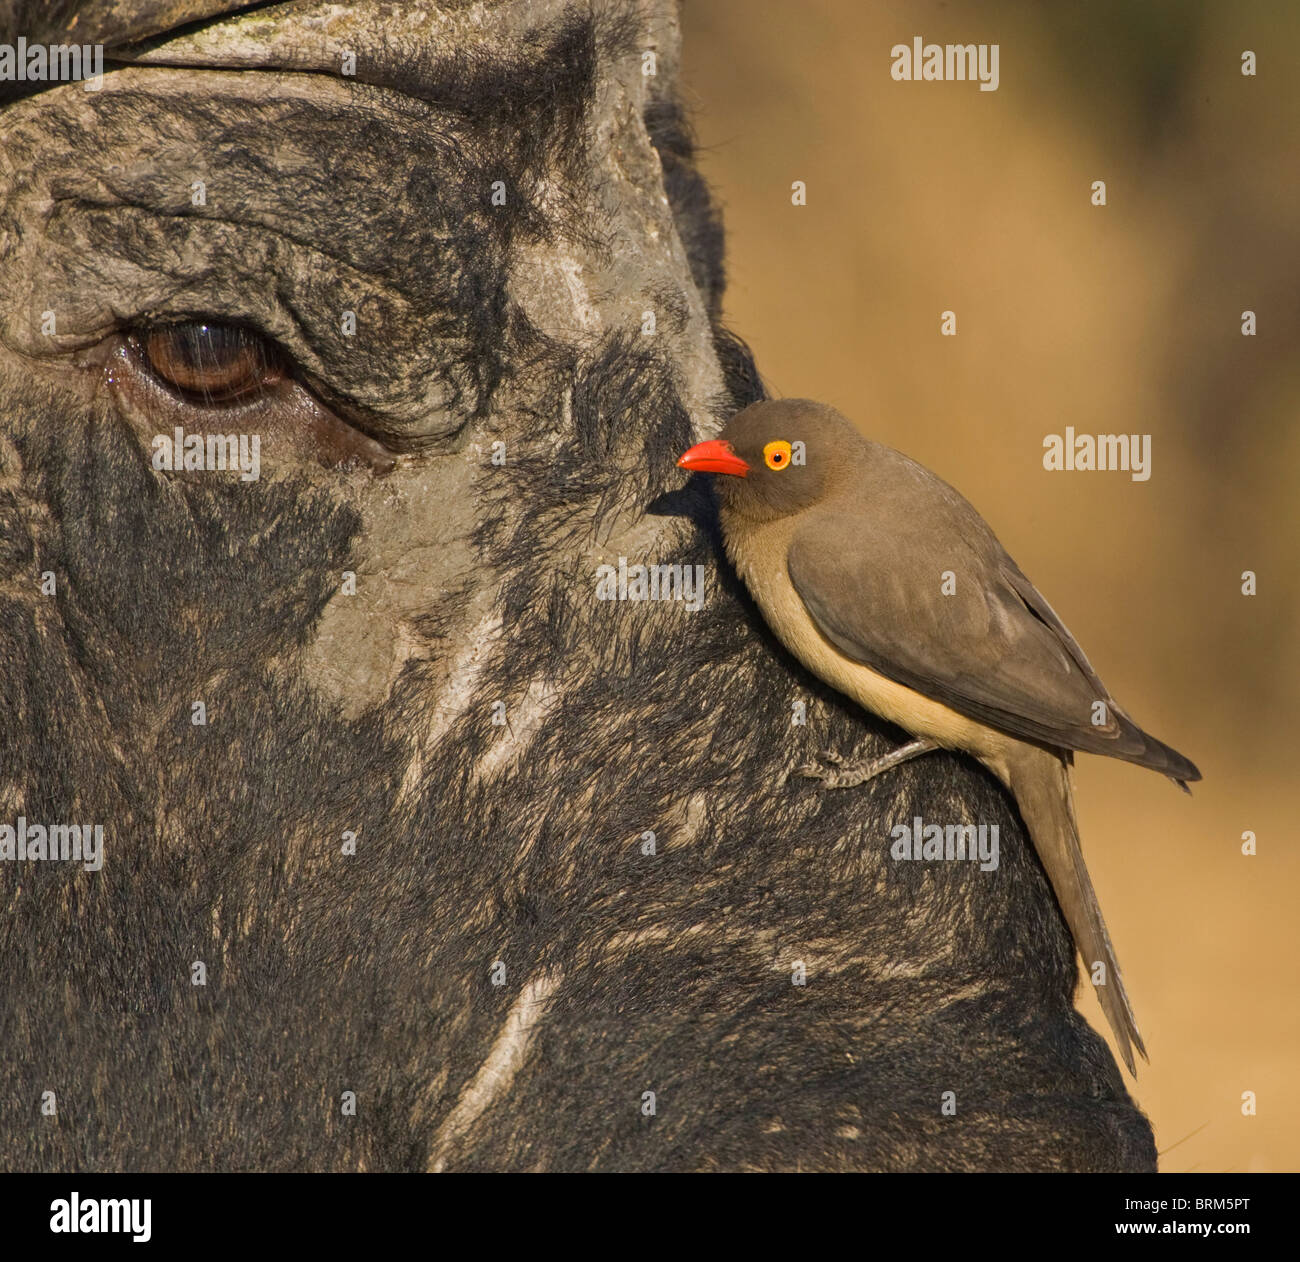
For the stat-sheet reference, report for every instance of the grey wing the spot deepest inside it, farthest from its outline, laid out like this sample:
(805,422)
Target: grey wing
(989,646)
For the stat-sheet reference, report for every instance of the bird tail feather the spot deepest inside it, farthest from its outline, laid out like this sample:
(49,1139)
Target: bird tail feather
(1041,784)
(1143,749)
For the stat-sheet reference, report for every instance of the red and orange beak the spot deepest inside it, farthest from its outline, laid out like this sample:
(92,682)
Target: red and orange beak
(715,456)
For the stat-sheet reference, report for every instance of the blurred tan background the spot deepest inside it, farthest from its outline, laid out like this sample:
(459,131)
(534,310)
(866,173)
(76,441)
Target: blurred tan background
(924,197)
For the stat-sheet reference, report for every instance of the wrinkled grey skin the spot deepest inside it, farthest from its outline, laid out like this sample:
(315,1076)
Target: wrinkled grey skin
(500,972)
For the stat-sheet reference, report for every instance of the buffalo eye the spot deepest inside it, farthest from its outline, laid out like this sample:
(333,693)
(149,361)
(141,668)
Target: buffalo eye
(209,363)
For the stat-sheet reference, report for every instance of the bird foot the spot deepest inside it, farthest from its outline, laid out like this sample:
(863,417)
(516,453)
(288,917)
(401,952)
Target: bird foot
(847,775)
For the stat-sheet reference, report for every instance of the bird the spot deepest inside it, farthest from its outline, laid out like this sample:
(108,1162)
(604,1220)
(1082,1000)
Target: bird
(890,587)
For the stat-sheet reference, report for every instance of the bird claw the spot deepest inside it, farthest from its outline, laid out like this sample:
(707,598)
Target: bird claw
(837,775)
(848,775)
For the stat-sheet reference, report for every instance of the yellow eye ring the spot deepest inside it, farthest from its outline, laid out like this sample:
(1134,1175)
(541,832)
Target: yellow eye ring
(777,454)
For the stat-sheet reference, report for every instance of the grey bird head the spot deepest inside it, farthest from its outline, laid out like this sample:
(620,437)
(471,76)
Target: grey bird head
(780,457)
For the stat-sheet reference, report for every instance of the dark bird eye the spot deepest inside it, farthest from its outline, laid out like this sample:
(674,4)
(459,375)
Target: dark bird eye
(209,363)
